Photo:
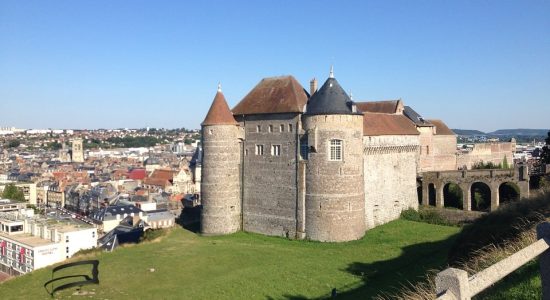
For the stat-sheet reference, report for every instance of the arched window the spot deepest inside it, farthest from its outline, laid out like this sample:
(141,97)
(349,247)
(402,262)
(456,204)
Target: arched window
(335,150)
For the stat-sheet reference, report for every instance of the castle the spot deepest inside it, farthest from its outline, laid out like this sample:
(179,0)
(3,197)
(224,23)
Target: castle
(314,165)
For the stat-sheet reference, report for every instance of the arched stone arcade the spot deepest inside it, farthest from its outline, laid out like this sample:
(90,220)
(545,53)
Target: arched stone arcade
(480,189)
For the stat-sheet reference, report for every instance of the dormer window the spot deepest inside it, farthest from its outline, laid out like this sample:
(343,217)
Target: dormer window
(335,150)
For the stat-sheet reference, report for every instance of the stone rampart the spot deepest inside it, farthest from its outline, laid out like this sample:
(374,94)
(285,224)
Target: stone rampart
(390,177)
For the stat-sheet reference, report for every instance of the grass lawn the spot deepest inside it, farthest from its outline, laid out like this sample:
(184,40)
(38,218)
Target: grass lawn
(251,266)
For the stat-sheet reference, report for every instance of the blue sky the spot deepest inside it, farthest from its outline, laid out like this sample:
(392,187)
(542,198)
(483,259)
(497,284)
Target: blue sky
(108,64)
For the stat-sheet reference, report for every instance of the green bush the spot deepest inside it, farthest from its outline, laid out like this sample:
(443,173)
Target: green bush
(427,216)
(411,215)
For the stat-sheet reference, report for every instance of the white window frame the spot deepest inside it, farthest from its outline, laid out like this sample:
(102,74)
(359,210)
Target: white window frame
(259,149)
(258,128)
(335,150)
(270,128)
(276,150)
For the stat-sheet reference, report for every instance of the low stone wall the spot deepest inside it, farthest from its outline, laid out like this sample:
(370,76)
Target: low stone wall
(455,284)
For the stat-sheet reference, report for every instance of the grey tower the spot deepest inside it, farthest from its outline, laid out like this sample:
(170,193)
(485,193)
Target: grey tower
(220,186)
(335,202)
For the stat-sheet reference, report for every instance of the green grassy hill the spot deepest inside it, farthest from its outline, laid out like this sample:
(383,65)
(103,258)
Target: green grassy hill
(251,266)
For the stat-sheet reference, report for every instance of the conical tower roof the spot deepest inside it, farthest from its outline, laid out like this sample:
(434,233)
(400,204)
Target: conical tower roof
(330,99)
(219,113)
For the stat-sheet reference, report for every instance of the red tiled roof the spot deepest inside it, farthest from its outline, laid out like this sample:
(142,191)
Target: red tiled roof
(385,107)
(387,124)
(273,95)
(137,174)
(441,128)
(165,174)
(219,113)
(157,182)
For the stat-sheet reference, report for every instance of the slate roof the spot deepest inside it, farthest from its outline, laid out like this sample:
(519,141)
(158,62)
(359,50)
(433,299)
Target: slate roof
(273,95)
(415,117)
(196,160)
(219,113)
(441,128)
(330,99)
(385,107)
(161,214)
(387,124)
(110,212)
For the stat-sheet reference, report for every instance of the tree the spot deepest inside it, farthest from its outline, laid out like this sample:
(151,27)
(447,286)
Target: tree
(505,163)
(14,144)
(13,193)
(545,154)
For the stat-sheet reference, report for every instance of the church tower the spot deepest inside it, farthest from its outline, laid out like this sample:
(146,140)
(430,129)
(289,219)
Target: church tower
(220,185)
(335,202)
(77,151)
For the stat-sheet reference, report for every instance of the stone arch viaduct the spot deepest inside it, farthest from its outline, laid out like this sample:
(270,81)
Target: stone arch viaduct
(493,178)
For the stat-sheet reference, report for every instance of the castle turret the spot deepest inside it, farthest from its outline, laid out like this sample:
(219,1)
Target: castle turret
(335,202)
(220,186)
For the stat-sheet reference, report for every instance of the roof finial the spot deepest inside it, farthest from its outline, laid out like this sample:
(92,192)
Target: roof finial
(219,87)
(350,95)
(331,75)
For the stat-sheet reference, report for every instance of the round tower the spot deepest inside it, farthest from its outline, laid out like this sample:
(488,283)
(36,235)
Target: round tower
(335,202)
(220,185)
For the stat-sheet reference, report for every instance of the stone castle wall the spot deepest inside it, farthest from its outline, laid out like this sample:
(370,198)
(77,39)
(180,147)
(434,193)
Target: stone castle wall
(270,188)
(437,152)
(221,199)
(335,207)
(488,152)
(390,177)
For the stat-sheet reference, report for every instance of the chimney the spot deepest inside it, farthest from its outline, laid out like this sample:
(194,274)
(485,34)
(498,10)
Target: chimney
(312,86)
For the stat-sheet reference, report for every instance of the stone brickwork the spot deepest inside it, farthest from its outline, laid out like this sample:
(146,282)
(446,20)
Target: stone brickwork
(221,199)
(492,178)
(335,200)
(270,180)
(390,177)
(488,152)
(437,152)
(77,154)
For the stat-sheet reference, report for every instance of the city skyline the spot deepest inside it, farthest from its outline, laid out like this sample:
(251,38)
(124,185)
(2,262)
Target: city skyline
(136,64)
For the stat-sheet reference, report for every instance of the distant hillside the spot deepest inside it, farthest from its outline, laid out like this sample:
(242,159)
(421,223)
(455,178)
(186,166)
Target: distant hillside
(517,132)
(468,132)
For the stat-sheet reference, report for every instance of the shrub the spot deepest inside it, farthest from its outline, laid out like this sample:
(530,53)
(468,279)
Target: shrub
(411,215)
(430,216)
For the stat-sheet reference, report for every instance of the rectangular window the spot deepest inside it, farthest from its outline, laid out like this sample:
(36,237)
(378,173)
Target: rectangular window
(276,150)
(282,128)
(259,149)
(335,150)
(258,128)
(245,152)
(304,151)
(270,128)
(289,127)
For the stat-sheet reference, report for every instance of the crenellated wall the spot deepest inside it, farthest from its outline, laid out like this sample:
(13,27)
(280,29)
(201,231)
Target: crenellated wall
(487,152)
(390,176)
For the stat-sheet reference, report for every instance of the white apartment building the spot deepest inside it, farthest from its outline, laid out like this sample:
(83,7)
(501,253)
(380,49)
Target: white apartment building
(27,244)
